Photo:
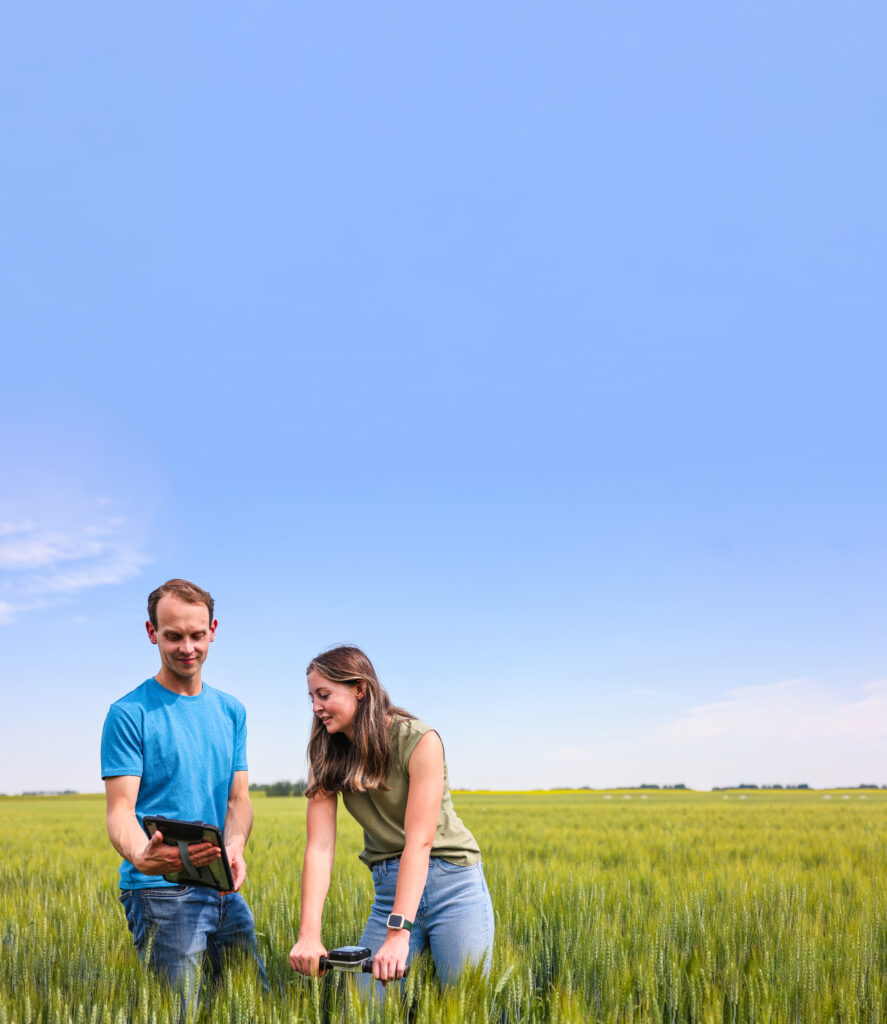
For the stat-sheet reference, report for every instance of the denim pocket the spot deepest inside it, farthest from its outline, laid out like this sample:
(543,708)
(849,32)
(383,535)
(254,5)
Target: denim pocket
(167,892)
(452,869)
(385,883)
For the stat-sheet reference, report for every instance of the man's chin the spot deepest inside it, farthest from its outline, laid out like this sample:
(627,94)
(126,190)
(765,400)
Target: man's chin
(186,671)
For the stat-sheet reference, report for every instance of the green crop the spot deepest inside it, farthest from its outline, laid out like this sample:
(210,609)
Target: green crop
(682,907)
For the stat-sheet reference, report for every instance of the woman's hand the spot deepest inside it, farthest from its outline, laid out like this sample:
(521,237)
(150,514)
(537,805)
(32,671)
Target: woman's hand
(305,955)
(390,961)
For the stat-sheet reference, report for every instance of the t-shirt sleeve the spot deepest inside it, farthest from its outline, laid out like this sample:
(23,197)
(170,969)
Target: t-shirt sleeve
(121,744)
(240,764)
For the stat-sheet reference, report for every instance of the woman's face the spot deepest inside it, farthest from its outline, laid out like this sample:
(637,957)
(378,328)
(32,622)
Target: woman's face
(335,704)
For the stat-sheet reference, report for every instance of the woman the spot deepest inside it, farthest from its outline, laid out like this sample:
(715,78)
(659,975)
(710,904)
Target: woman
(389,767)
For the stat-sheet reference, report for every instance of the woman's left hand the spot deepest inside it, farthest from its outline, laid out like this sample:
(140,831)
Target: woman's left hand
(390,961)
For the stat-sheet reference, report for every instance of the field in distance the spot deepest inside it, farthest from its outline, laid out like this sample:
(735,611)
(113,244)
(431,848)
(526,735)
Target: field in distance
(681,907)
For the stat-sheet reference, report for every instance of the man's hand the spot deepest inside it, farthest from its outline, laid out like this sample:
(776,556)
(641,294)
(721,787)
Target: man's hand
(158,858)
(237,863)
(390,961)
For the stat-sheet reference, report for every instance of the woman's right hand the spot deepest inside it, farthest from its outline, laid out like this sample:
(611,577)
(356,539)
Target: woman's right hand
(305,955)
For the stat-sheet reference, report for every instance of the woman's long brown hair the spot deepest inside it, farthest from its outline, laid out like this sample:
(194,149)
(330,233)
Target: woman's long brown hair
(337,764)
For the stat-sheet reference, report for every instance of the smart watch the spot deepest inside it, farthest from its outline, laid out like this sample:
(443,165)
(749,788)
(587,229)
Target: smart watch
(398,921)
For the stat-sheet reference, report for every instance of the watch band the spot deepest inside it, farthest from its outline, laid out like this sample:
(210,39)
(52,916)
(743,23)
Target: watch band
(398,921)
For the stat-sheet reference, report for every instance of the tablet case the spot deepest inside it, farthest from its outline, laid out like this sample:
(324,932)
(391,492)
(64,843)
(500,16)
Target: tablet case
(183,833)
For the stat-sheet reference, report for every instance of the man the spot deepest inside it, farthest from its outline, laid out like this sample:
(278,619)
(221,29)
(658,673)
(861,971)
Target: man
(177,747)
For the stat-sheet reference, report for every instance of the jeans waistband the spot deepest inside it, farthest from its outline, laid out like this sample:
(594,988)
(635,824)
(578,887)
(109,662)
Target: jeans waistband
(384,866)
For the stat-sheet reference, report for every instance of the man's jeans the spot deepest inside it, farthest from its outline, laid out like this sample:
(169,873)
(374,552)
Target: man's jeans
(454,919)
(176,926)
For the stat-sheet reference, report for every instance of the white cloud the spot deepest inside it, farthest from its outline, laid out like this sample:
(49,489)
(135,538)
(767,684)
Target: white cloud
(787,732)
(22,526)
(36,552)
(791,711)
(42,564)
(865,718)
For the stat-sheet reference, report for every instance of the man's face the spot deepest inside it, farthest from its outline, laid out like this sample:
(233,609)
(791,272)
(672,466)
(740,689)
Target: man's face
(183,635)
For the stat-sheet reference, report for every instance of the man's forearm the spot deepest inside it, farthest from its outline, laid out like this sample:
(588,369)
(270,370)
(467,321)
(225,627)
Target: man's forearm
(126,835)
(238,822)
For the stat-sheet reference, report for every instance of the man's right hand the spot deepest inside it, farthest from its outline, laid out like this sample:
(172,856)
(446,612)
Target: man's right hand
(158,858)
(305,956)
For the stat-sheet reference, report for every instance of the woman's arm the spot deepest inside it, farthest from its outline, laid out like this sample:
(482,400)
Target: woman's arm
(426,769)
(320,851)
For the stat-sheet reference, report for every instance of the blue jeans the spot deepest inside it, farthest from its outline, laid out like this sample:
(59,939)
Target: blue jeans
(454,919)
(175,927)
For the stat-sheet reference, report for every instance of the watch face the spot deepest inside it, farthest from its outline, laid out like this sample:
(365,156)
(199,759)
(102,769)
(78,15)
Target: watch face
(395,920)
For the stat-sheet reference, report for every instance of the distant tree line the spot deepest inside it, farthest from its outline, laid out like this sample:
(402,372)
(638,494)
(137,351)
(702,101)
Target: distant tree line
(798,785)
(51,792)
(754,785)
(741,785)
(643,785)
(284,788)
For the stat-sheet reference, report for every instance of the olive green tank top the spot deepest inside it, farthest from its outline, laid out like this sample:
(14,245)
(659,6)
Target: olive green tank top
(382,813)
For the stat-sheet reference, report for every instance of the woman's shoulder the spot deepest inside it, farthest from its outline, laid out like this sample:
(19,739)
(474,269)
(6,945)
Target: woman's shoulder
(402,727)
(405,734)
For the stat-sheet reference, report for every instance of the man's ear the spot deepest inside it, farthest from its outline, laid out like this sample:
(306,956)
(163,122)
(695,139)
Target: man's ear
(152,632)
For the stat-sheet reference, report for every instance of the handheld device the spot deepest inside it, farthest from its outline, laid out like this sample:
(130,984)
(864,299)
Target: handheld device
(352,959)
(183,833)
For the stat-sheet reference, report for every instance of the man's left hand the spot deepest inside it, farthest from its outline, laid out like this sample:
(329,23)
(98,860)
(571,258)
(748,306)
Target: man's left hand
(238,865)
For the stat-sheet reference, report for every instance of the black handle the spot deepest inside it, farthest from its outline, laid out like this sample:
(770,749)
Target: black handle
(366,967)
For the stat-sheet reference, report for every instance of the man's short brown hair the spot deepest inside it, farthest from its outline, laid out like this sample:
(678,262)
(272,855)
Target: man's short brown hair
(183,590)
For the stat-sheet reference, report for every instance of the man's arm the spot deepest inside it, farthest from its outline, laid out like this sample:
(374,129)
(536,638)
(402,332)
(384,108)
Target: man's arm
(238,824)
(151,857)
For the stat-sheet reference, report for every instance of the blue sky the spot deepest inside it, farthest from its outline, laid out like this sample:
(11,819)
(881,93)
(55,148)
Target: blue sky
(537,350)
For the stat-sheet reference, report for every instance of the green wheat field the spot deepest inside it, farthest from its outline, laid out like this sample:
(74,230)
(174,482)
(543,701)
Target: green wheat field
(675,908)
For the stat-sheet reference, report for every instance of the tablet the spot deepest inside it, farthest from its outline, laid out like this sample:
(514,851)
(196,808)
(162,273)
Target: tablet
(182,834)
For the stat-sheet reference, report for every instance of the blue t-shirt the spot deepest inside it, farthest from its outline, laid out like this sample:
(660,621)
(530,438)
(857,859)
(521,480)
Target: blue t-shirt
(185,750)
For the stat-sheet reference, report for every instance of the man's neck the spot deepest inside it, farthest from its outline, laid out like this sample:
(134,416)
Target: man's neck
(183,687)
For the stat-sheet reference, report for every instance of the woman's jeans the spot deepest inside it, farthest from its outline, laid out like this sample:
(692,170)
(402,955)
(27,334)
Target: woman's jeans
(176,926)
(454,919)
